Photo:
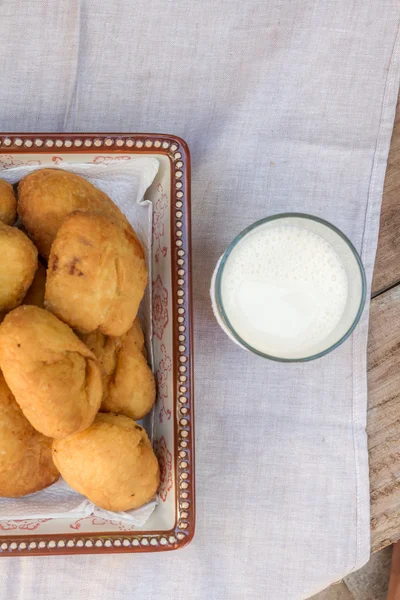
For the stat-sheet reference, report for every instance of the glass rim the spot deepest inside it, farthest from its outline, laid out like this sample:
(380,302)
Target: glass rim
(233,244)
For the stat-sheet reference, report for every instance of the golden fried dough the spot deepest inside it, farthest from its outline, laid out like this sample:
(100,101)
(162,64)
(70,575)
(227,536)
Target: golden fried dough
(18,264)
(8,203)
(54,377)
(47,196)
(96,275)
(128,383)
(112,463)
(26,464)
(35,294)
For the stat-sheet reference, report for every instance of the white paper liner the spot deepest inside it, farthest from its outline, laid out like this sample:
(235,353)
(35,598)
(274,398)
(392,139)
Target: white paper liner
(126,183)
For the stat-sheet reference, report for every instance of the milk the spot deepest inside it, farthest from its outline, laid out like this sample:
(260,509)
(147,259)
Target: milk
(284,290)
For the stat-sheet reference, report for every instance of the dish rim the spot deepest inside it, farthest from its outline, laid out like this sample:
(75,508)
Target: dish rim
(183,531)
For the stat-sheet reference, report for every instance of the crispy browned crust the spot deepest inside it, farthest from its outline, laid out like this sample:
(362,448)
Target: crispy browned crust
(96,275)
(112,463)
(54,377)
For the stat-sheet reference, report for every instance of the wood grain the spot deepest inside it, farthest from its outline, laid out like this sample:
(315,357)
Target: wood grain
(384,362)
(387,265)
(384,417)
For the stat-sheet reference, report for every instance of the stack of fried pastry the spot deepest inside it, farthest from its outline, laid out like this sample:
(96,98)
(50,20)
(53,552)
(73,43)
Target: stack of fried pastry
(72,277)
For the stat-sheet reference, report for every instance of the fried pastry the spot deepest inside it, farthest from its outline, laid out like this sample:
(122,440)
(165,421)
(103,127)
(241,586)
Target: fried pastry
(47,196)
(54,377)
(18,265)
(35,294)
(26,463)
(96,275)
(8,203)
(128,383)
(112,463)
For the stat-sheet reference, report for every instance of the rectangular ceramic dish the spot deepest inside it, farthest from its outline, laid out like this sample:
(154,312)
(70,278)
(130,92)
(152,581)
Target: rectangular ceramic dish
(172,523)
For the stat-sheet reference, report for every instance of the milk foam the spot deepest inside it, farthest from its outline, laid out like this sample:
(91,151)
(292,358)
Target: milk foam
(284,290)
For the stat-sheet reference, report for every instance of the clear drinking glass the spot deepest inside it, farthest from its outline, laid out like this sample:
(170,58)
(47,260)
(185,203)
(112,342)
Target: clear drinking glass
(351,262)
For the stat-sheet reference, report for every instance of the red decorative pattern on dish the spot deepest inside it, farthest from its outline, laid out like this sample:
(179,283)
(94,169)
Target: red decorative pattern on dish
(164,367)
(165,461)
(107,159)
(7,161)
(23,525)
(160,307)
(158,222)
(94,521)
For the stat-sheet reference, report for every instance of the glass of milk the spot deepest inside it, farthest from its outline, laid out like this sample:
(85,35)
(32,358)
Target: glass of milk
(290,287)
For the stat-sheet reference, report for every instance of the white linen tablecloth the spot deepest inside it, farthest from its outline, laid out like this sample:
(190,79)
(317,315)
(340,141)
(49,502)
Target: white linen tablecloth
(286,105)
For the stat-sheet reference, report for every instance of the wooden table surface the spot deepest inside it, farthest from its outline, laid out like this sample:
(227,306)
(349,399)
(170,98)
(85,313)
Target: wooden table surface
(384,363)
